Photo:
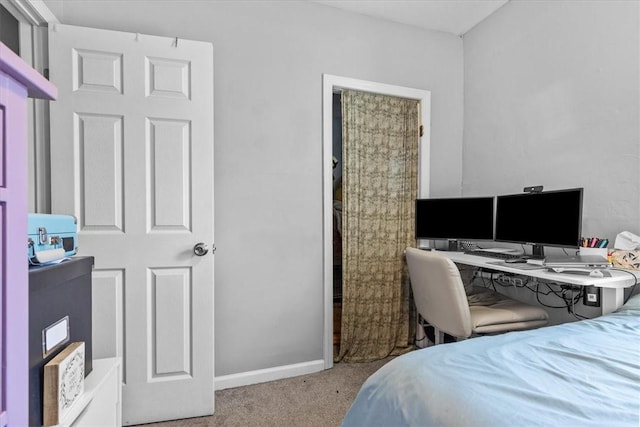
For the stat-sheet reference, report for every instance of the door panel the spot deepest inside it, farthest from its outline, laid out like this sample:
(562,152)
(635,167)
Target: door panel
(132,158)
(169,145)
(99,142)
(172,332)
(107,306)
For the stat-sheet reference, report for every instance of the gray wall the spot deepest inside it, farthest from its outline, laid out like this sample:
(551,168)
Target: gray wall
(269,61)
(552,98)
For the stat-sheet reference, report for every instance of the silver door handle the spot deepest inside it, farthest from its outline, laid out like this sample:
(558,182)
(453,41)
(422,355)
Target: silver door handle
(200,249)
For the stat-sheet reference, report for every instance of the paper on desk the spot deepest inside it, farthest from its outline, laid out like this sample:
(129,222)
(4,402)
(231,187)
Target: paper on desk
(627,241)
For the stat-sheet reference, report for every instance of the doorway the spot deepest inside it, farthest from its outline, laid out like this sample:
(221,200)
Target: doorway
(332,85)
(337,218)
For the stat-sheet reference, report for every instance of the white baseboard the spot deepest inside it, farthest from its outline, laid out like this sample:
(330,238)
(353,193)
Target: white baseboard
(270,374)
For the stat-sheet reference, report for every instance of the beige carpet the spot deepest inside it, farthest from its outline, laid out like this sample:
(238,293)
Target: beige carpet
(314,400)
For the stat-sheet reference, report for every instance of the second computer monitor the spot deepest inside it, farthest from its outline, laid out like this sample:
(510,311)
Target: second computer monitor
(455,218)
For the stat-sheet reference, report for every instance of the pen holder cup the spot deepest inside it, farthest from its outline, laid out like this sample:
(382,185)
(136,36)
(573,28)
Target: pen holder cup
(594,251)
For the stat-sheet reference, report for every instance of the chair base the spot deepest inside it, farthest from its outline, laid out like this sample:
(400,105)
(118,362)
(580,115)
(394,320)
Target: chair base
(439,336)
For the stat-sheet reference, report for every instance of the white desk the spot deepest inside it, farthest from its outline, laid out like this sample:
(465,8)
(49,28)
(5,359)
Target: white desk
(612,287)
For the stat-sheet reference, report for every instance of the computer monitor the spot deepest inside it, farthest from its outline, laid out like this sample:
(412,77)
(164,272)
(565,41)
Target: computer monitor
(549,218)
(455,218)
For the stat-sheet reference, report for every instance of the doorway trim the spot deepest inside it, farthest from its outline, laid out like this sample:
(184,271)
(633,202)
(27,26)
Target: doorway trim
(331,84)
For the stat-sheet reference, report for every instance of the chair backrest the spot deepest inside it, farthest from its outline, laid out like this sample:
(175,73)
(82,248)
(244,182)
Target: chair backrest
(438,292)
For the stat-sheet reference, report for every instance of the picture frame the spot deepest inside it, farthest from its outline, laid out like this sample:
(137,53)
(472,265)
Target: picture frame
(63,383)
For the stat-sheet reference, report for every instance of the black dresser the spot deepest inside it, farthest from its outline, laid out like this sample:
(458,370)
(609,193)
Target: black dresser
(56,292)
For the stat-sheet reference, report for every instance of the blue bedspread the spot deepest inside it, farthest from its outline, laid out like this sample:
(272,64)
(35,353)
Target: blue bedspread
(584,373)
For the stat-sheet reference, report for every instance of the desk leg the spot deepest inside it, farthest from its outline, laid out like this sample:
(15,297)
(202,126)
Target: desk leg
(612,298)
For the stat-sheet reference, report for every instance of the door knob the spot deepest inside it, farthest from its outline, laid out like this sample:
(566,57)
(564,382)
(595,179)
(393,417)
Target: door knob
(200,249)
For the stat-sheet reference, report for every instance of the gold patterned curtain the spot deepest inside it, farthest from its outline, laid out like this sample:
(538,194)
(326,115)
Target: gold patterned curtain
(379,185)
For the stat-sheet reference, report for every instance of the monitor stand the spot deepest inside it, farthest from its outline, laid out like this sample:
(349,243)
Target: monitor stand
(537,252)
(452,246)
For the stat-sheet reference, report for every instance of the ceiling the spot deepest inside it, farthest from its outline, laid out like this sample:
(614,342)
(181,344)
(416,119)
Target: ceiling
(451,16)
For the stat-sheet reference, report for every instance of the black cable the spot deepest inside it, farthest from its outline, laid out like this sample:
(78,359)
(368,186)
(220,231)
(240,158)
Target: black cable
(551,291)
(421,339)
(635,282)
(481,270)
(423,324)
(569,301)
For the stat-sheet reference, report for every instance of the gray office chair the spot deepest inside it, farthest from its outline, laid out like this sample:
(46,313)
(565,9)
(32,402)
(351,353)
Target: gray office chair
(441,300)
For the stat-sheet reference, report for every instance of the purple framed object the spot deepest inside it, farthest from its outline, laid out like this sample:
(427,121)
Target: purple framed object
(17,82)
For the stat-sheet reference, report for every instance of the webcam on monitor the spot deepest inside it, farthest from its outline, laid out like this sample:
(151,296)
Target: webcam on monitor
(534,189)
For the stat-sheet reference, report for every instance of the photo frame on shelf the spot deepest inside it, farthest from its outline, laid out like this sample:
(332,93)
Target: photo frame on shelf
(63,383)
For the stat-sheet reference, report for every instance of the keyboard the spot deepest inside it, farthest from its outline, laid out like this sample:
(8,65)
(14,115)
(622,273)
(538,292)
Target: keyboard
(496,255)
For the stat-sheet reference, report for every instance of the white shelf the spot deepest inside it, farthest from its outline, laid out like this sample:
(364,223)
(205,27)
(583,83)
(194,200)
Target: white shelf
(100,404)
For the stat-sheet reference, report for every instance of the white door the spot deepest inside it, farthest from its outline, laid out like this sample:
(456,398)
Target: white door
(132,159)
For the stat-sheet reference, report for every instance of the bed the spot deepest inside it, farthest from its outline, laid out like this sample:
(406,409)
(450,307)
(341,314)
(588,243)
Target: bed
(584,373)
